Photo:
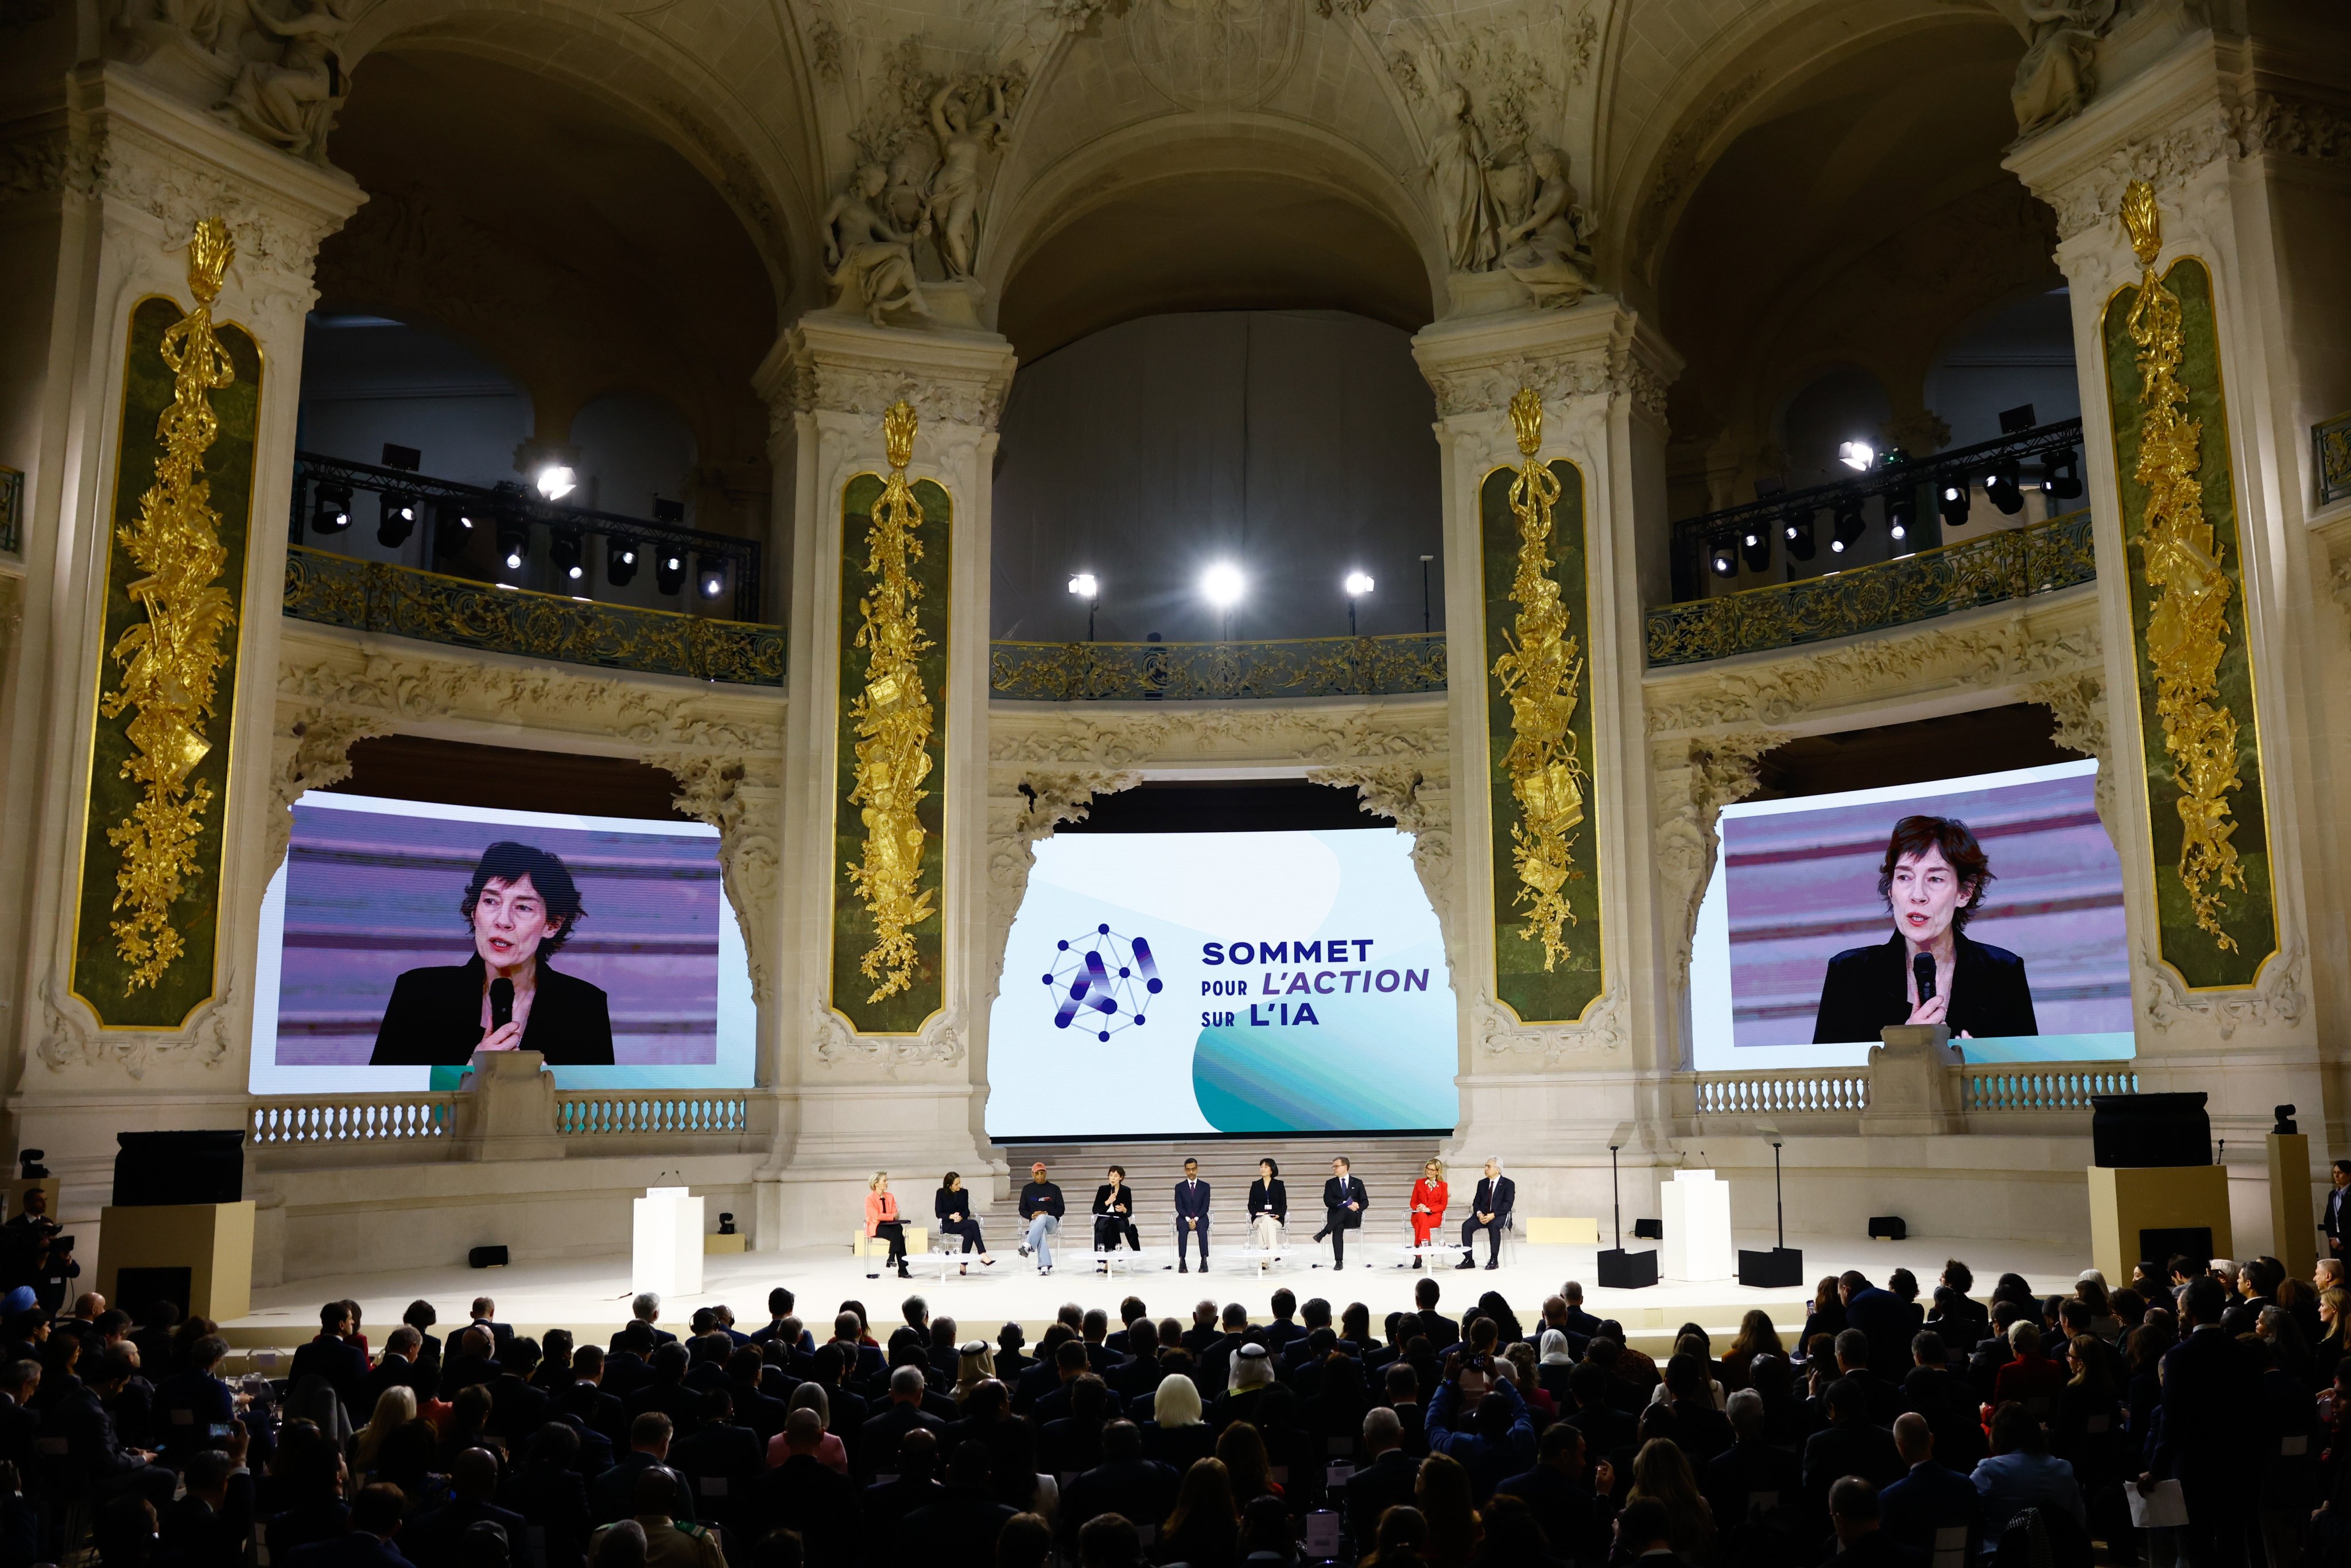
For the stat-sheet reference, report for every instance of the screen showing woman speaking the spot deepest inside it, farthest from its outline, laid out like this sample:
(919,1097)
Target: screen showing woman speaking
(1157,984)
(1991,904)
(400,937)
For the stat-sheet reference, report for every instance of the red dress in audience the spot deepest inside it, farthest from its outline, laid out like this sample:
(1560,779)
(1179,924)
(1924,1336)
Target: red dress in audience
(2032,1381)
(1434,1196)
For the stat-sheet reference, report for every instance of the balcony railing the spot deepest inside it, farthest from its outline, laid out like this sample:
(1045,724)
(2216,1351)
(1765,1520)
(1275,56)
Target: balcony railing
(1212,672)
(370,596)
(2013,564)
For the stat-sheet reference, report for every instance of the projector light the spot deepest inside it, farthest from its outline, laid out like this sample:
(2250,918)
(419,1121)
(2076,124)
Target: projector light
(555,481)
(1222,585)
(1856,455)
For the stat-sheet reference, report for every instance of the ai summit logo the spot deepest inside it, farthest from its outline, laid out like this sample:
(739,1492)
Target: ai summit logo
(1102,982)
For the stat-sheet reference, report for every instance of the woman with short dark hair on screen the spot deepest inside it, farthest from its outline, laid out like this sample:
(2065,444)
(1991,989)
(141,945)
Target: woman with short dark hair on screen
(1932,880)
(521,906)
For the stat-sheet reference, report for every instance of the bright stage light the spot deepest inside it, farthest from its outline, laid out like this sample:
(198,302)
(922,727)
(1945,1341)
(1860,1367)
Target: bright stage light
(555,481)
(1358,584)
(1083,585)
(1222,584)
(1856,455)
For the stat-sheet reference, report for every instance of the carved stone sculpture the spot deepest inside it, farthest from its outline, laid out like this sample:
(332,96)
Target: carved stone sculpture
(291,102)
(871,261)
(2055,79)
(1550,250)
(954,201)
(1457,161)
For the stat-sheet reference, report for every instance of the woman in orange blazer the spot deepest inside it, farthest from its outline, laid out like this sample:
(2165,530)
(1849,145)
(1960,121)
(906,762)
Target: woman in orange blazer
(1429,1197)
(881,1219)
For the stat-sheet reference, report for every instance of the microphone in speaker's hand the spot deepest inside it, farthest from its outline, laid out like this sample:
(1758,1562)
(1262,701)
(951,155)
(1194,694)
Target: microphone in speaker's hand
(1922,965)
(502,1000)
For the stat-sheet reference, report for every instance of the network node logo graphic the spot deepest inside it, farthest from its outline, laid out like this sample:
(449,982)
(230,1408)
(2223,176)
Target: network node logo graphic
(1102,982)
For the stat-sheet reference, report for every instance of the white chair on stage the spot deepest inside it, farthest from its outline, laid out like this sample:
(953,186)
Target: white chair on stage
(1258,1253)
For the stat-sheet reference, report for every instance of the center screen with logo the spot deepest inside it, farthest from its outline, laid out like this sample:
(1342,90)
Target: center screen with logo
(1160,984)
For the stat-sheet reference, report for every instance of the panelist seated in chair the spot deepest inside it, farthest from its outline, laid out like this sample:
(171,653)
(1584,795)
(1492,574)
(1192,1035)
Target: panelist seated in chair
(1113,1213)
(521,906)
(1269,1207)
(1489,1211)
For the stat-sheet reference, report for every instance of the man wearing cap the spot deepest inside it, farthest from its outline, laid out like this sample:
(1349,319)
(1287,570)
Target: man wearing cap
(1040,1211)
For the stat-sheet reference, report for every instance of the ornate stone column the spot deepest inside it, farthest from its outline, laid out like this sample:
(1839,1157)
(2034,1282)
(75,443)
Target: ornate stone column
(2204,227)
(1551,426)
(883,970)
(130,965)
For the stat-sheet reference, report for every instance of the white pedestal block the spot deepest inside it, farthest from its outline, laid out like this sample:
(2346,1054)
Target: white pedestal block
(1696,1215)
(667,1256)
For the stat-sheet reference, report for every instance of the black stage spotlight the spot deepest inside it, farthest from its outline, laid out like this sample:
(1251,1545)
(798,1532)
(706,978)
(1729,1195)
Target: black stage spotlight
(2062,477)
(395,518)
(1901,511)
(2001,488)
(669,571)
(1755,544)
(2016,421)
(407,459)
(620,562)
(713,573)
(563,549)
(330,508)
(1796,528)
(1951,499)
(514,542)
(1849,525)
(1722,555)
(452,527)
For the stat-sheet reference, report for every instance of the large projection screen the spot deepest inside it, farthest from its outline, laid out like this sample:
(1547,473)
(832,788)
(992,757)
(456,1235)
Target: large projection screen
(1796,897)
(1158,985)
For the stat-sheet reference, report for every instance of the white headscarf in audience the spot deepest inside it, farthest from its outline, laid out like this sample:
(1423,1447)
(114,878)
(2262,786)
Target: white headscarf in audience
(1554,1348)
(1252,1368)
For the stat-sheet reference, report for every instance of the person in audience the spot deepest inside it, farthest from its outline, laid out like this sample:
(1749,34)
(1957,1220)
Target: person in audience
(1402,1533)
(1445,1496)
(1756,1336)
(1662,1476)
(1932,1507)
(1752,1479)
(1176,1436)
(1568,1500)
(1204,1527)
(952,1206)
(2023,1474)
(1027,1542)
(1853,1512)
(374,1520)
(804,1494)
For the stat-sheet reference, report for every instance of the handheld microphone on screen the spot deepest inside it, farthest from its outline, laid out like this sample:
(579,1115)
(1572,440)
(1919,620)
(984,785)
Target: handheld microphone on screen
(501,1002)
(1921,964)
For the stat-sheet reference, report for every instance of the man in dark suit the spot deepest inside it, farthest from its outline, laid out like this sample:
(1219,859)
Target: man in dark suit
(1861,1543)
(1919,1510)
(375,1521)
(1949,1406)
(613,1496)
(1579,1322)
(518,1407)
(486,1316)
(754,1406)
(1385,1482)
(1932,879)
(2203,1439)
(1571,1504)
(1849,1445)
(209,1526)
(1402,1397)
(472,1359)
(719,1462)
(878,1438)
(1191,1218)
(1885,1318)
(1750,1477)
(1439,1330)
(1344,1202)
(2337,1198)
(194,1409)
(667,1392)
(1123,1483)
(1489,1211)
(334,1358)
(431,1541)
(520,907)
(802,1494)
(396,1368)
(886,1504)
(962,1524)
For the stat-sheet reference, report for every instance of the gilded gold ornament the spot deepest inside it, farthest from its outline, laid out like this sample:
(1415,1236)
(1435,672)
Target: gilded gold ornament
(892,721)
(2187,624)
(1541,674)
(170,664)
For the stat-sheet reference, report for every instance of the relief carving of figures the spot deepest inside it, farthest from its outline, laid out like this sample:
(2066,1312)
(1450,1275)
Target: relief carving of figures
(955,184)
(2055,79)
(1457,166)
(291,102)
(871,261)
(1549,251)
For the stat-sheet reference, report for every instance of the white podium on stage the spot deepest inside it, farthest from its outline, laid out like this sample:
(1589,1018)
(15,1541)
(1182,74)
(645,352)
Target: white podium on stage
(666,1258)
(1697,1226)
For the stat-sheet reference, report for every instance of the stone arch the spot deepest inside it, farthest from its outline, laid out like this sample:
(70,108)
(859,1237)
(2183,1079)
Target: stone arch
(765,166)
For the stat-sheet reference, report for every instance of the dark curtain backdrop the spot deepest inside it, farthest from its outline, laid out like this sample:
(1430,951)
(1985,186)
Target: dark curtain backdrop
(1296,444)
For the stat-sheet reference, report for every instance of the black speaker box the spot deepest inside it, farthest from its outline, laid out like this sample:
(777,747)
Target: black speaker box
(2137,1132)
(1775,1270)
(151,1170)
(486,1258)
(1888,1228)
(1648,1230)
(1623,1270)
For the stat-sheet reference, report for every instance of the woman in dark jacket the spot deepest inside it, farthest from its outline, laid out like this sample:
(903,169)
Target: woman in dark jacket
(1269,1207)
(952,1205)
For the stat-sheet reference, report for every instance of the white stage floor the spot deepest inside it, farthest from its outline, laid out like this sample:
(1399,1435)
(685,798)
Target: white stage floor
(591,1295)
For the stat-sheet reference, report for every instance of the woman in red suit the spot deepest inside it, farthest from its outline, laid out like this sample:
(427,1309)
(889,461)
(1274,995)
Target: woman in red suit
(1429,1196)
